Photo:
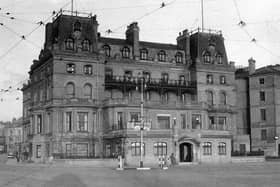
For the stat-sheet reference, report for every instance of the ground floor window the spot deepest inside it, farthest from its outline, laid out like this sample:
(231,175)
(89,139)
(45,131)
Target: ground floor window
(82,149)
(222,148)
(160,148)
(135,148)
(68,149)
(108,150)
(38,151)
(207,148)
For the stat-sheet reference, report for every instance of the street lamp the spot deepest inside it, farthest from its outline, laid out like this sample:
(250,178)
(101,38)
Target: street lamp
(141,120)
(276,140)
(174,137)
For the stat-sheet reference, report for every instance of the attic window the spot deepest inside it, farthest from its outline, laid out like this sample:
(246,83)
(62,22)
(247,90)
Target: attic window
(219,58)
(162,56)
(179,57)
(143,54)
(125,52)
(77,26)
(207,57)
(85,45)
(107,50)
(69,44)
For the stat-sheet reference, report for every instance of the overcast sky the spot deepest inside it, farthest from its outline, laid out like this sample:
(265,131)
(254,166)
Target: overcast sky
(262,20)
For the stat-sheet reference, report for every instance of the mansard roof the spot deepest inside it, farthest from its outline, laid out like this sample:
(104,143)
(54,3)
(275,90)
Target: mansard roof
(142,44)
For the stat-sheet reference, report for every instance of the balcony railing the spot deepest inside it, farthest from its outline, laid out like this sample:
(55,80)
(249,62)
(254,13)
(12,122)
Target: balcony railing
(130,83)
(220,108)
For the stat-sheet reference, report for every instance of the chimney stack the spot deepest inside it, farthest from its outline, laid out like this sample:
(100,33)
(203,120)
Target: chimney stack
(132,37)
(252,65)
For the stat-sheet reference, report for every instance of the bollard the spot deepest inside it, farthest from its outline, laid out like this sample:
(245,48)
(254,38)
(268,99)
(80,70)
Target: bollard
(120,163)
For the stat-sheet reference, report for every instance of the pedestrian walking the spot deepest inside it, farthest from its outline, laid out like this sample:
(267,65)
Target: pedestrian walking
(17,156)
(172,159)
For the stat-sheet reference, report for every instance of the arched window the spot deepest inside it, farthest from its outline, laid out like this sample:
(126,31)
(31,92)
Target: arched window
(222,148)
(207,148)
(143,54)
(135,148)
(70,68)
(88,69)
(125,52)
(207,57)
(69,44)
(160,148)
(88,91)
(85,45)
(179,57)
(223,98)
(70,90)
(182,80)
(219,58)
(164,77)
(107,50)
(210,97)
(162,56)
(77,26)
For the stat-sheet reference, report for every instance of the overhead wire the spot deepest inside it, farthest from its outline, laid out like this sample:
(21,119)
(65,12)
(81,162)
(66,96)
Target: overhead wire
(109,31)
(23,37)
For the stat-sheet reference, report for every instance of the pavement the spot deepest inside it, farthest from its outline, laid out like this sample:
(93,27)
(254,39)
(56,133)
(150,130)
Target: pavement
(265,174)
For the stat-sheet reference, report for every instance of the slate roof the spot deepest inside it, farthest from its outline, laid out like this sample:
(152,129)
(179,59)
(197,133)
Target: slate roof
(271,69)
(117,41)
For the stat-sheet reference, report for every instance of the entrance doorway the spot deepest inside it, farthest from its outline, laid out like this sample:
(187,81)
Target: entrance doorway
(186,152)
(278,149)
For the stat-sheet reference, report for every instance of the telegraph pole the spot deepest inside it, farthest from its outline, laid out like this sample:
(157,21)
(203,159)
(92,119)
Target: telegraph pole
(202,16)
(72,7)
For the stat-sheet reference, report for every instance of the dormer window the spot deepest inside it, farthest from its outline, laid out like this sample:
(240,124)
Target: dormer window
(179,57)
(77,26)
(69,44)
(85,45)
(70,68)
(107,50)
(162,56)
(219,58)
(207,58)
(125,52)
(143,54)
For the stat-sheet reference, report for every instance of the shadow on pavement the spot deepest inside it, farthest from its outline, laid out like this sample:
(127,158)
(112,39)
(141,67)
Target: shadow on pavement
(65,180)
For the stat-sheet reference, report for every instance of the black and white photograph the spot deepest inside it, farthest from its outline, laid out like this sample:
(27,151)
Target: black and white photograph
(139,93)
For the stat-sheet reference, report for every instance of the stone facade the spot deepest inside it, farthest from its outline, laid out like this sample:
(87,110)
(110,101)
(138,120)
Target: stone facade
(84,94)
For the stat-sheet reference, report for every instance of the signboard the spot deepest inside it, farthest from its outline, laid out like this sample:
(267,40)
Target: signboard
(147,126)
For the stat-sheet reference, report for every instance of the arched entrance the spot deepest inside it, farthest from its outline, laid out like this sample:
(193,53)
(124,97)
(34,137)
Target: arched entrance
(186,152)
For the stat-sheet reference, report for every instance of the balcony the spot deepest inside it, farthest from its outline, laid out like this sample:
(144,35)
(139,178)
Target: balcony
(126,83)
(135,102)
(221,108)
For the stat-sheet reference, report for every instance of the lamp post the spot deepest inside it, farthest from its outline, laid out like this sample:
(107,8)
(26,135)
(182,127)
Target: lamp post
(141,121)
(276,143)
(174,135)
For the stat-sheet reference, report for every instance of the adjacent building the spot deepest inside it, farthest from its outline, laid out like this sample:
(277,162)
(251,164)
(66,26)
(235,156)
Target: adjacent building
(259,94)
(85,90)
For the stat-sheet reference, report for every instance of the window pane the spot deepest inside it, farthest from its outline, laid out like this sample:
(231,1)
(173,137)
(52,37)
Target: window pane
(163,122)
(196,121)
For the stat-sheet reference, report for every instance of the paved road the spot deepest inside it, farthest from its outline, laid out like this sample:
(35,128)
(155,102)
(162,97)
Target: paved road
(226,175)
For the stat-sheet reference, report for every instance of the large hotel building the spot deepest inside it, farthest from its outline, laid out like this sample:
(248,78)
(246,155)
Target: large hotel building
(84,95)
